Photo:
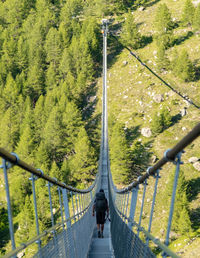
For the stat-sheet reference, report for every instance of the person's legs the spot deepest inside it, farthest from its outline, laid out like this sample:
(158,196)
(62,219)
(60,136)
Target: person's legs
(102,228)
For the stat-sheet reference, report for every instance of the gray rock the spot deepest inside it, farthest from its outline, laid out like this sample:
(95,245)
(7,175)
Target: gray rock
(193,159)
(183,111)
(142,8)
(158,98)
(125,62)
(146,132)
(154,159)
(196,165)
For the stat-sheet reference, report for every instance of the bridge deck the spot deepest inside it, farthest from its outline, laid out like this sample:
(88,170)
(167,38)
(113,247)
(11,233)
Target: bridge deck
(102,247)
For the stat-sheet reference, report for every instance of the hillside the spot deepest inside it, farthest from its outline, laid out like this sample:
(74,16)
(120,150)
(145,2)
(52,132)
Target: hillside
(136,98)
(50,103)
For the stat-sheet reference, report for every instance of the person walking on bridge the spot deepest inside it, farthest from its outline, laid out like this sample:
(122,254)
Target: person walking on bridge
(100,206)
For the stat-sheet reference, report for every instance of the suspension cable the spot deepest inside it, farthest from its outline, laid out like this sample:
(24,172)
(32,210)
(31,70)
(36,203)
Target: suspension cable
(156,75)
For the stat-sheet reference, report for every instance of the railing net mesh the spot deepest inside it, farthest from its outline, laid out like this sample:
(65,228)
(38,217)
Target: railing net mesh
(71,244)
(125,242)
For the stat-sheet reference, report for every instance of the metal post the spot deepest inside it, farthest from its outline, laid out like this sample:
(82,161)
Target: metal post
(77,209)
(124,204)
(73,205)
(105,31)
(133,205)
(127,205)
(79,203)
(153,204)
(67,216)
(178,163)
(91,195)
(33,179)
(49,190)
(61,210)
(142,206)
(11,228)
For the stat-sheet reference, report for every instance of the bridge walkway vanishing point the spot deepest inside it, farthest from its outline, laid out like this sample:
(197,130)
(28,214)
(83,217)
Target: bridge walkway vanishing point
(102,247)
(76,235)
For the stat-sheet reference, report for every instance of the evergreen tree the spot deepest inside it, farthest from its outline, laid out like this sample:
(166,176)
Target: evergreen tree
(26,228)
(162,60)
(164,26)
(52,135)
(119,155)
(10,92)
(9,129)
(83,163)
(183,67)
(130,34)
(196,20)
(188,13)
(161,121)
(65,171)
(181,220)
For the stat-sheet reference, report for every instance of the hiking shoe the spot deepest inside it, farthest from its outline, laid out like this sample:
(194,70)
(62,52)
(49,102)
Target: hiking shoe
(99,234)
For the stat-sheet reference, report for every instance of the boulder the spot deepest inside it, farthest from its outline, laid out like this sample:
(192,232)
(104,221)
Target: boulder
(193,159)
(158,98)
(146,132)
(196,165)
(183,111)
(154,158)
(125,62)
(142,8)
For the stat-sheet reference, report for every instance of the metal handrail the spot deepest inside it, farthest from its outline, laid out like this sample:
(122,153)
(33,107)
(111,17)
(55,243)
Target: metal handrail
(15,161)
(44,233)
(170,155)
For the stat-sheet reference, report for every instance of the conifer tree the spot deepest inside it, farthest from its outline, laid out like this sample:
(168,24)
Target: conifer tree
(119,155)
(65,171)
(183,67)
(196,20)
(161,121)
(188,13)
(52,135)
(162,60)
(9,129)
(10,92)
(164,26)
(26,228)
(130,34)
(83,163)
(181,220)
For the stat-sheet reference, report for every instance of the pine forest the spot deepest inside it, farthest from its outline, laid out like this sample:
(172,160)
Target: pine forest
(50,103)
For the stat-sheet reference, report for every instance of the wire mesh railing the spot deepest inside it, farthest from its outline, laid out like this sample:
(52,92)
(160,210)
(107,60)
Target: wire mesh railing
(69,230)
(121,204)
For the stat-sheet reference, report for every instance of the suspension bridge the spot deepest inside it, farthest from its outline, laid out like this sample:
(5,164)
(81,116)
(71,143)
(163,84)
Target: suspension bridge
(76,235)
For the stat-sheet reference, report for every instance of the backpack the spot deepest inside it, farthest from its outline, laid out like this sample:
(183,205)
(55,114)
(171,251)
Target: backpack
(101,202)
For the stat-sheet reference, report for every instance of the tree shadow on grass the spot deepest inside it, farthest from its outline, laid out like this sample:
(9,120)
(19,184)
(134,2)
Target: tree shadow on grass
(176,119)
(181,39)
(132,133)
(195,218)
(151,3)
(193,189)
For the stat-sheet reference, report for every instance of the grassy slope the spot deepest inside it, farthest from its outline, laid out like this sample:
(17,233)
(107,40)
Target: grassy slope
(130,97)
